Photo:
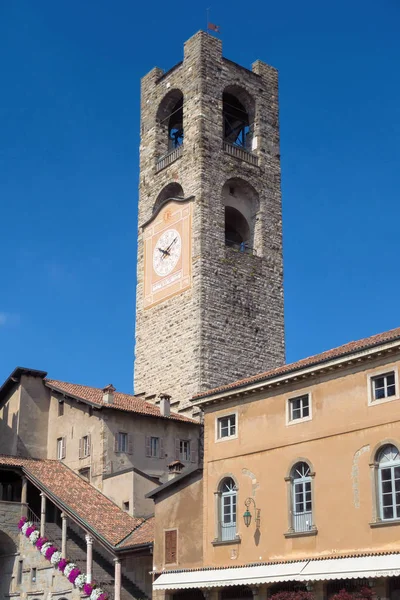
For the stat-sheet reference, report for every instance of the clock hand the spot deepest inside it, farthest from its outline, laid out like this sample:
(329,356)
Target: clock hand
(163,251)
(169,247)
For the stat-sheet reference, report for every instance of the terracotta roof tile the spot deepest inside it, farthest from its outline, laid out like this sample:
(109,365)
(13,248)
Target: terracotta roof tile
(122,401)
(82,499)
(349,348)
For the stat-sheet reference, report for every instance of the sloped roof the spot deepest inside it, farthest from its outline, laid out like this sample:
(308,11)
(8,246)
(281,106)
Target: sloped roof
(125,402)
(84,502)
(340,351)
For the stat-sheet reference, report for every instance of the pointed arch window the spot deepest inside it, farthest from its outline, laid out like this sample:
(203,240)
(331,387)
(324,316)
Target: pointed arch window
(227,509)
(389,482)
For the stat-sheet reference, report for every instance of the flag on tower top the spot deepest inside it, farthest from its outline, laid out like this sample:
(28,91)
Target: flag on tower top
(213,27)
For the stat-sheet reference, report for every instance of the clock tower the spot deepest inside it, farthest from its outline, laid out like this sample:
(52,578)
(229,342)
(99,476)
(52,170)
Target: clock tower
(209,304)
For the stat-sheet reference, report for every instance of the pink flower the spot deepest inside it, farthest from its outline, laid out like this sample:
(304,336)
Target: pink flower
(73,575)
(40,542)
(50,551)
(88,589)
(102,597)
(30,530)
(22,522)
(62,564)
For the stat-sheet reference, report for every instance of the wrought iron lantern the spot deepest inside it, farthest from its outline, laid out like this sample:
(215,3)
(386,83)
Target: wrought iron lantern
(247,516)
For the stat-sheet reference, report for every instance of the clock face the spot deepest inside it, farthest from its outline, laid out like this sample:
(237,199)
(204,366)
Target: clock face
(166,252)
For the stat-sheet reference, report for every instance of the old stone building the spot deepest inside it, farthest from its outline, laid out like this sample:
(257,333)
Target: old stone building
(209,303)
(78,461)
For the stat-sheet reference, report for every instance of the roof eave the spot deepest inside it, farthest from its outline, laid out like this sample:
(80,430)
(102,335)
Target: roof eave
(311,370)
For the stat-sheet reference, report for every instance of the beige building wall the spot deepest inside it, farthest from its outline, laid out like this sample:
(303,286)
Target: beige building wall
(140,427)
(128,490)
(180,508)
(339,442)
(9,416)
(78,420)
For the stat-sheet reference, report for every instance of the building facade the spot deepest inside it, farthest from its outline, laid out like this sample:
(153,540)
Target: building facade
(209,275)
(301,481)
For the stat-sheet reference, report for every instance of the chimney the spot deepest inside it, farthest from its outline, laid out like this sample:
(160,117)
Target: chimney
(108,394)
(165,405)
(175,469)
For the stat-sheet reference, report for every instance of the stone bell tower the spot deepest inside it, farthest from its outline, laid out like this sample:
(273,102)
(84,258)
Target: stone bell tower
(209,306)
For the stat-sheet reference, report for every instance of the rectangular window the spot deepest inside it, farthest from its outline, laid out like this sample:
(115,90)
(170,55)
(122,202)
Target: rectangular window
(60,408)
(299,408)
(383,386)
(170,543)
(122,442)
(84,446)
(226,426)
(184,450)
(154,447)
(61,448)
(19,572)
(33,575)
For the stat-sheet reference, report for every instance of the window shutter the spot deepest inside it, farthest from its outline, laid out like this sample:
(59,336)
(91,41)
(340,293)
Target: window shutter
(148,445)
(63,447)
(80,447)
(177,448)
(193,453)
(116,443)
(89,448)
(161,454)
(130,444)
(171,546)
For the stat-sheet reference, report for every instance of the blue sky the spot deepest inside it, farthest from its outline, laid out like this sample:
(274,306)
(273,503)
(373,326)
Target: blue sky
(69,123)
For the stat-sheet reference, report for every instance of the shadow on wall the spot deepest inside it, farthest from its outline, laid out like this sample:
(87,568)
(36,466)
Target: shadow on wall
(10,442)
(8,557)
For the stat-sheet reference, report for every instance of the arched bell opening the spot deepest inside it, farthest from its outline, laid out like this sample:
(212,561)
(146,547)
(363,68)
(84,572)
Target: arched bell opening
(238,117)
(170,122)
(172,190)
(237,230)
(241,207)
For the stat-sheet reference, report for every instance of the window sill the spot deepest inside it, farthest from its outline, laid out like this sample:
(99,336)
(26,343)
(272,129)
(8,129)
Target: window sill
(387,523)
(296,534)
(236,540)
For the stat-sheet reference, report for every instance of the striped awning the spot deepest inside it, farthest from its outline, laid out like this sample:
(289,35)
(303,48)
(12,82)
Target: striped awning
(306,570)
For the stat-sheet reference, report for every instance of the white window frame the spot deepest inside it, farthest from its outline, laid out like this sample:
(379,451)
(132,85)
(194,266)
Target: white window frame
(61,443)
(85,446)
(181,454)
(227,530)
(373,375)
(218,420)
(289,419)
(390,466)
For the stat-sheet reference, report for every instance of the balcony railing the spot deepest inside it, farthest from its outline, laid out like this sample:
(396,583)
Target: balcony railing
(240,153)
(302,521)
(33,518)
(227,531)
(169,158)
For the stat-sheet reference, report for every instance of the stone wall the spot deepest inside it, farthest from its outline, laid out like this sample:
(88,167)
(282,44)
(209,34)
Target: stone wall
(230,324)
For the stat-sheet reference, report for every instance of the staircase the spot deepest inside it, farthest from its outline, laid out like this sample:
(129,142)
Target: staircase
(103,570)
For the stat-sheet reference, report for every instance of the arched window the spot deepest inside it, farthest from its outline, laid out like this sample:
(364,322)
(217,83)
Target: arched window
(241,204)
(389,482)
(170,122)
(238,115)
(302,519)
(227,509)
